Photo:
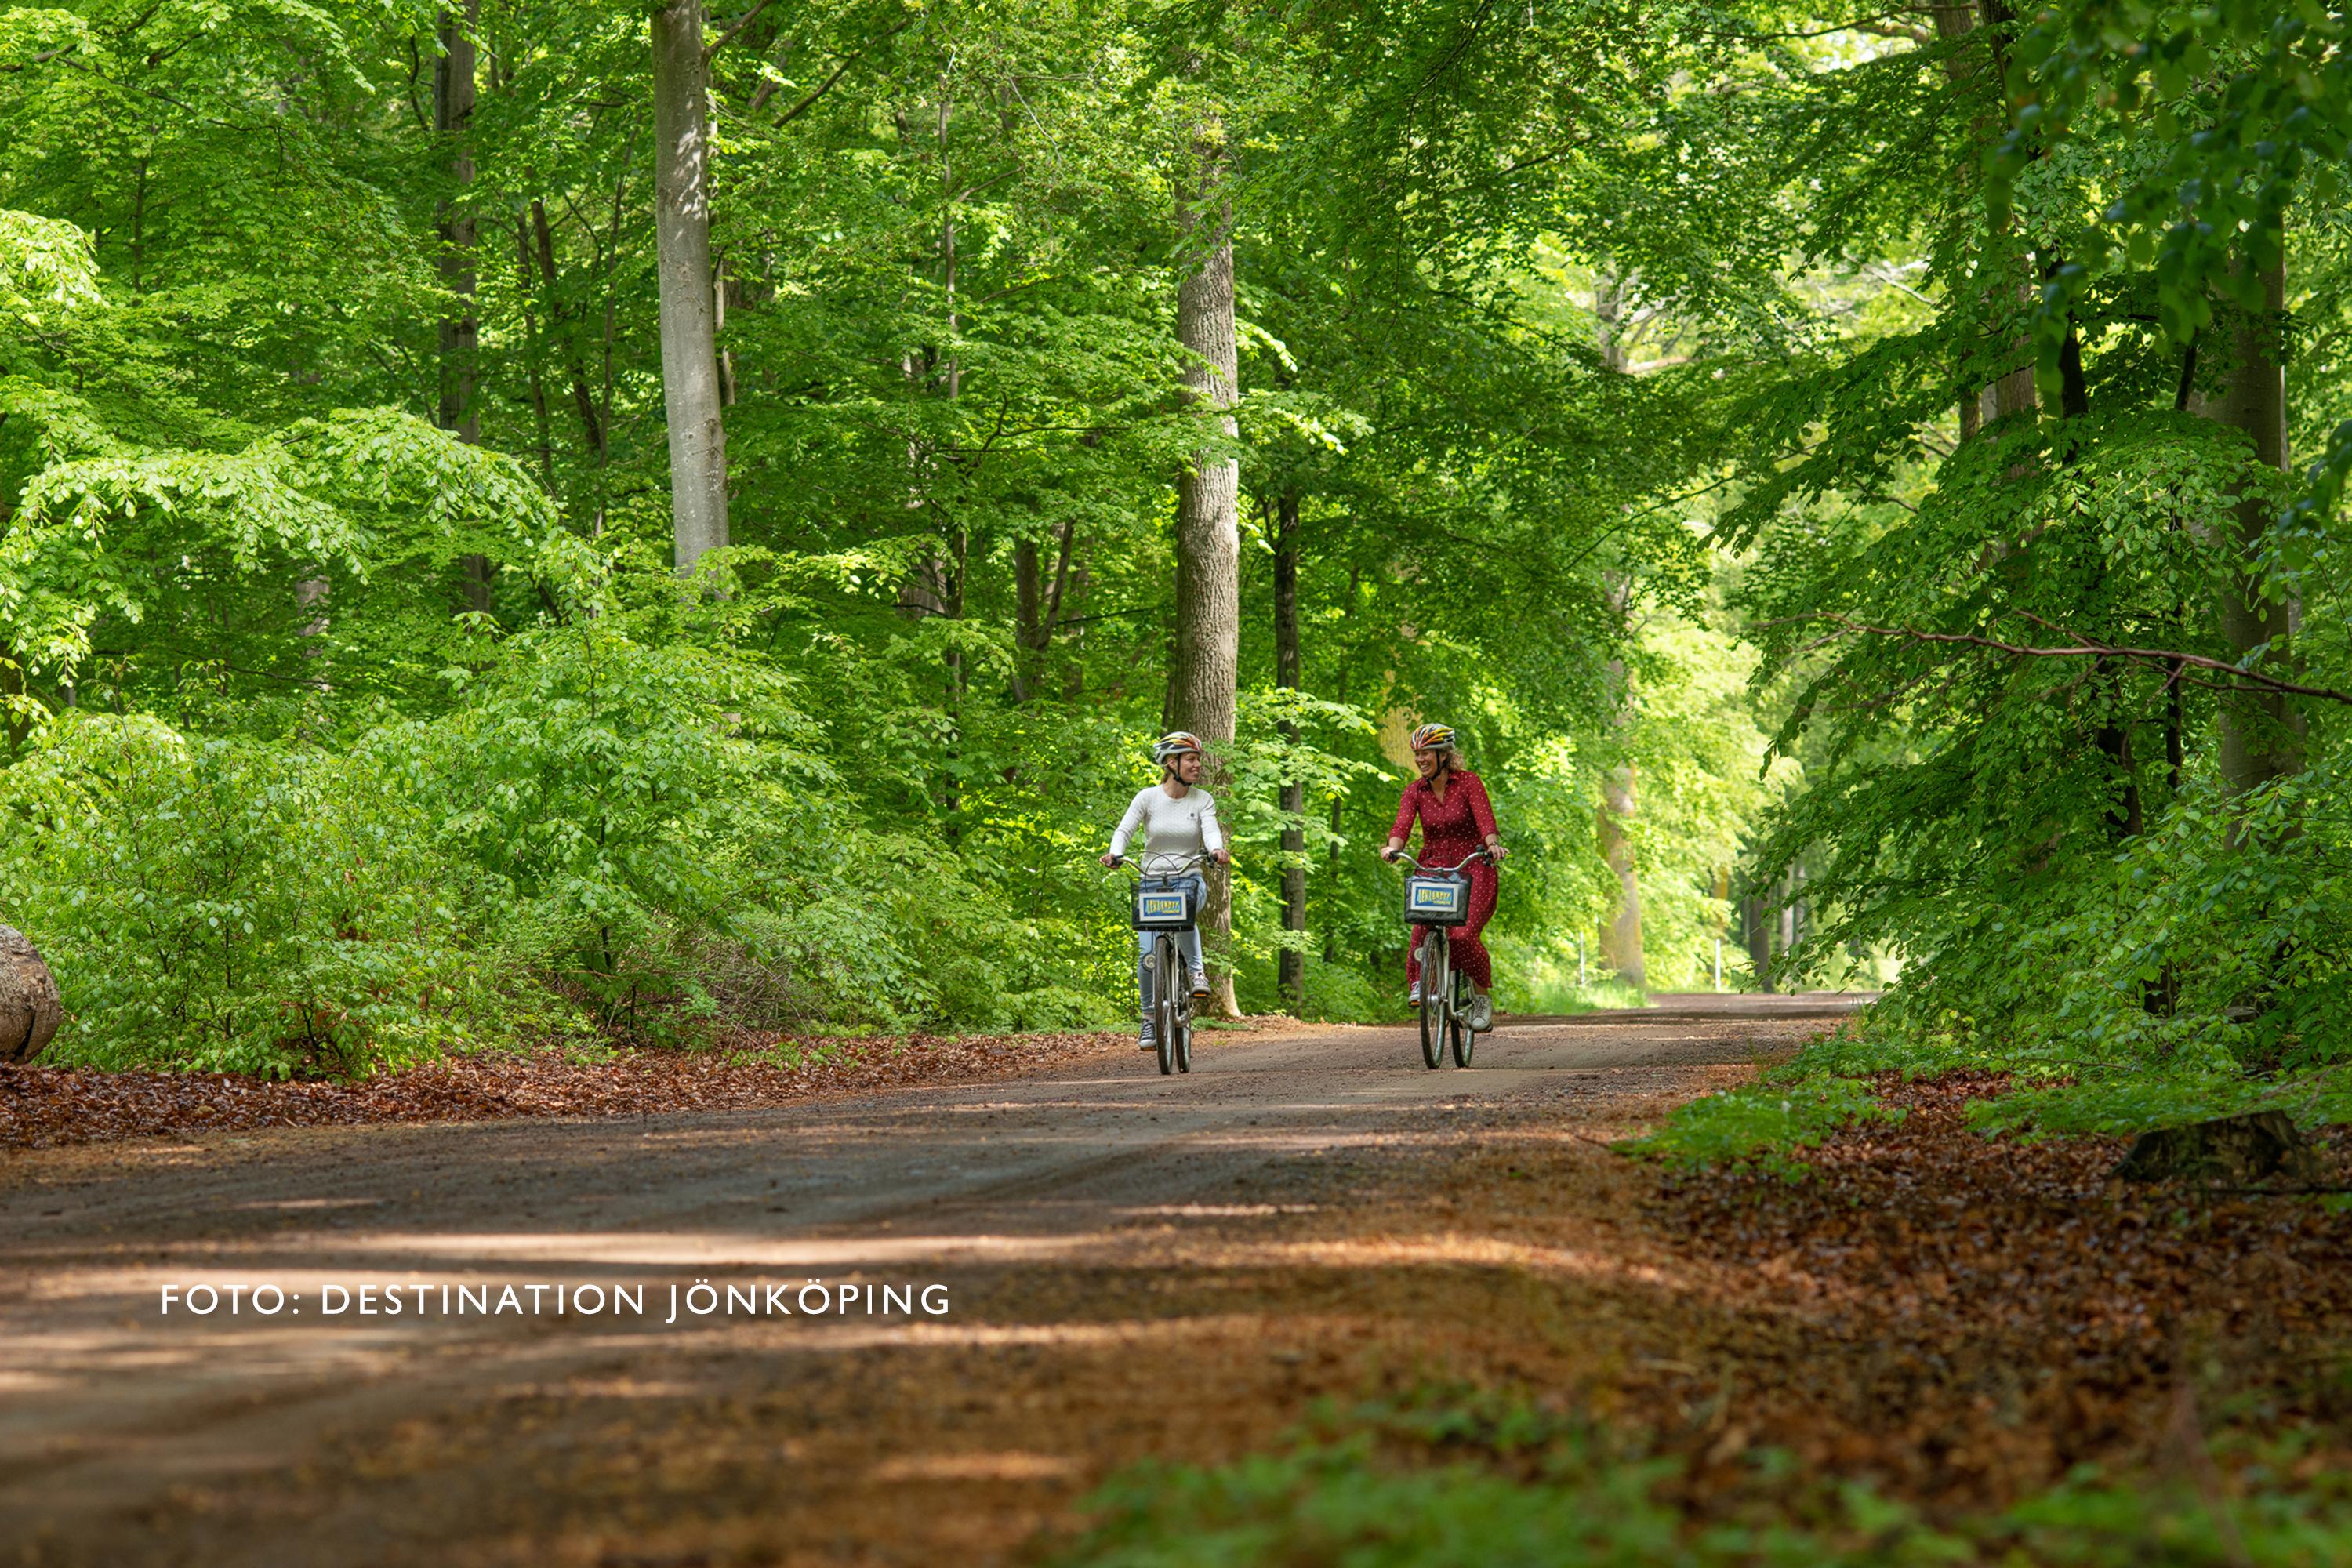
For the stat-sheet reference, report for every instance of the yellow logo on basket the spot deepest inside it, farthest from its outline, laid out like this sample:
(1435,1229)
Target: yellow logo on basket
(1163,905)
(1435,896)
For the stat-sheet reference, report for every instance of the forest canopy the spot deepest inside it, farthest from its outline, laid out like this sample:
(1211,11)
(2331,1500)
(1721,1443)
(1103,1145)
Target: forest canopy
(520,521)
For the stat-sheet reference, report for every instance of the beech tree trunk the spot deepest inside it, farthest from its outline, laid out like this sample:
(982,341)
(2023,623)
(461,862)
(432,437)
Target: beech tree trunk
(1291,973)
(29,1009)
(459,336)
(1755,916)
(2260,733)
(690,388)
(1621,940)
(1206,659)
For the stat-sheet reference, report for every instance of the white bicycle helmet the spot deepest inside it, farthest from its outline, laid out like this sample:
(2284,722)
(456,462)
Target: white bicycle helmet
(1174,744)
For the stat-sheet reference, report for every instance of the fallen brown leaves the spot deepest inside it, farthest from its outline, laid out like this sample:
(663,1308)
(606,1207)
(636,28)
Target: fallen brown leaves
(45,1107)
(1967,1318)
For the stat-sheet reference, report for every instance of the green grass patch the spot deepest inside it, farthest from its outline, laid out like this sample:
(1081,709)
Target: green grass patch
(1496,1486)
(1761,1125)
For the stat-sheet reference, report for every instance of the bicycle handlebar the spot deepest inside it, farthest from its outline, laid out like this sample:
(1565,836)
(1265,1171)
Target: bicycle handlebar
(1164,863)
(1481,853)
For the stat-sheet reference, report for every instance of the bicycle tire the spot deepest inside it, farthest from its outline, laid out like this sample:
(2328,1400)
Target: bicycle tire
(1458,1022)
(1433,976)
(1163,1001)
(1184,1032)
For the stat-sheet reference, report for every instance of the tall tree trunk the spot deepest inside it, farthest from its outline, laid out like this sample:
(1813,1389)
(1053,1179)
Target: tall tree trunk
(1330,931)
(1621,940)
(1756,919)
(2013,394)
(1292,970)
(2260,733)
(459,336)
(1953,21)
(690,393)
(1206,662)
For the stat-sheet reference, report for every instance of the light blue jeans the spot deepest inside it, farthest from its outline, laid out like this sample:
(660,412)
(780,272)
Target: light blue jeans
(1187,941)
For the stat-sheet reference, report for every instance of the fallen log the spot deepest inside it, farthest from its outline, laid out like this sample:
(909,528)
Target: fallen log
(29,1009)
(2231,1149)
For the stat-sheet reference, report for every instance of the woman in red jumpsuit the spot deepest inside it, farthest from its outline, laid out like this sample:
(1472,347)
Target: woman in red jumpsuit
(1455,818)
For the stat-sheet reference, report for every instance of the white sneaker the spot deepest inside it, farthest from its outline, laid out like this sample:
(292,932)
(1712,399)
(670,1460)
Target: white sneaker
(1482,1012)
(1413,994)
(1199,982)
(1150,1038)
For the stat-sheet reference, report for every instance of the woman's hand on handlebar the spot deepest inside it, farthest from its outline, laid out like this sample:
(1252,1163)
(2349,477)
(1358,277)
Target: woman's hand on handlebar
(1113,861)
(1222,856)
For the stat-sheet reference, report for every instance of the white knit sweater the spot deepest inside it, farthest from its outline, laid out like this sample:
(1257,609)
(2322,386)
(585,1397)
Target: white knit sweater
(1187,827)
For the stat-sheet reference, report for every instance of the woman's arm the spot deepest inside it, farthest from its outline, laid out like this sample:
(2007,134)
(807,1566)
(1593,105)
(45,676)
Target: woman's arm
(1483,813)
(1403,829)
(1127,825)
(1212,832)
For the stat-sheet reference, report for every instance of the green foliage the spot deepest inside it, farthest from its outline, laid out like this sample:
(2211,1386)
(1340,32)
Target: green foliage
(1763,1125)
(216,903)
(1478,1480)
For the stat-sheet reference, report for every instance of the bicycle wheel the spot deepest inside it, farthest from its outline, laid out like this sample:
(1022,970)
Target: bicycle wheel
(1184,1031)
(1432,997)
(1457,1022)
(1163,1001)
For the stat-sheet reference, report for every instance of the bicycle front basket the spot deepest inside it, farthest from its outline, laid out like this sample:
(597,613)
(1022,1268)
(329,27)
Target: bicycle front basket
(1163,908)
(1437,900)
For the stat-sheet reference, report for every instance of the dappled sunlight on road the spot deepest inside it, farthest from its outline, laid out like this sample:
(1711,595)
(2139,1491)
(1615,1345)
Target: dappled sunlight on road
(1125,1250)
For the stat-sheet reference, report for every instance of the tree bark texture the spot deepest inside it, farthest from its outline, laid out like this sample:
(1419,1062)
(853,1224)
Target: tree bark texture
(1956,21)
(1291,973)
(29,1009)
(2260,733)
(1206,662)
(1621,940)
(459,337)
(690,389)
(1756,917)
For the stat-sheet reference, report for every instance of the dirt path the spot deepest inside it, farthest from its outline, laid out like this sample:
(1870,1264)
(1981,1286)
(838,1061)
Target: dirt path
(1130,1265)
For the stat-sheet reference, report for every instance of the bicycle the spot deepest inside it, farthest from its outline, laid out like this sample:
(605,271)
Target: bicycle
(1167,911)
(1437,898)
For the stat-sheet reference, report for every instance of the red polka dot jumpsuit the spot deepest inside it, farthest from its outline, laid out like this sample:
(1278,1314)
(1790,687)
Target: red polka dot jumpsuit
(1450,829)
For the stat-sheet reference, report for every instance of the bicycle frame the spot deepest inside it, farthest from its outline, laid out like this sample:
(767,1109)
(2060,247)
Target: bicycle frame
(1444,1017)
(1172,984)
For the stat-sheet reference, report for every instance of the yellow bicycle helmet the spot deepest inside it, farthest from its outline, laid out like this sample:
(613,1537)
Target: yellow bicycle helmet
(1432,737)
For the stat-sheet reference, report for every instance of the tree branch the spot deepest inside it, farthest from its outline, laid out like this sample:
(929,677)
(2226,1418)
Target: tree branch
(727,37)
(2172,659)
(797,109)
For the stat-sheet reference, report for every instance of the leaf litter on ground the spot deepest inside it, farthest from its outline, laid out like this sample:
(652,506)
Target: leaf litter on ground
(48,1107)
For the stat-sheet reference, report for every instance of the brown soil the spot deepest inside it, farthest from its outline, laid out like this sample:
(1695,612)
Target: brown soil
(1140,1269)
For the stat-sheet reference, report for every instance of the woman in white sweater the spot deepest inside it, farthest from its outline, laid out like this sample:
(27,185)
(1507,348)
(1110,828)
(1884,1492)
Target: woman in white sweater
(1179,823)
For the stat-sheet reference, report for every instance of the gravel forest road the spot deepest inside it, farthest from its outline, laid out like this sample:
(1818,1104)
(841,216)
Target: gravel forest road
(1133,1266)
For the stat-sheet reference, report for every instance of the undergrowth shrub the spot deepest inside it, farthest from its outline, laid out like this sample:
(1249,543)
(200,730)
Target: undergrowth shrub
(208,902)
